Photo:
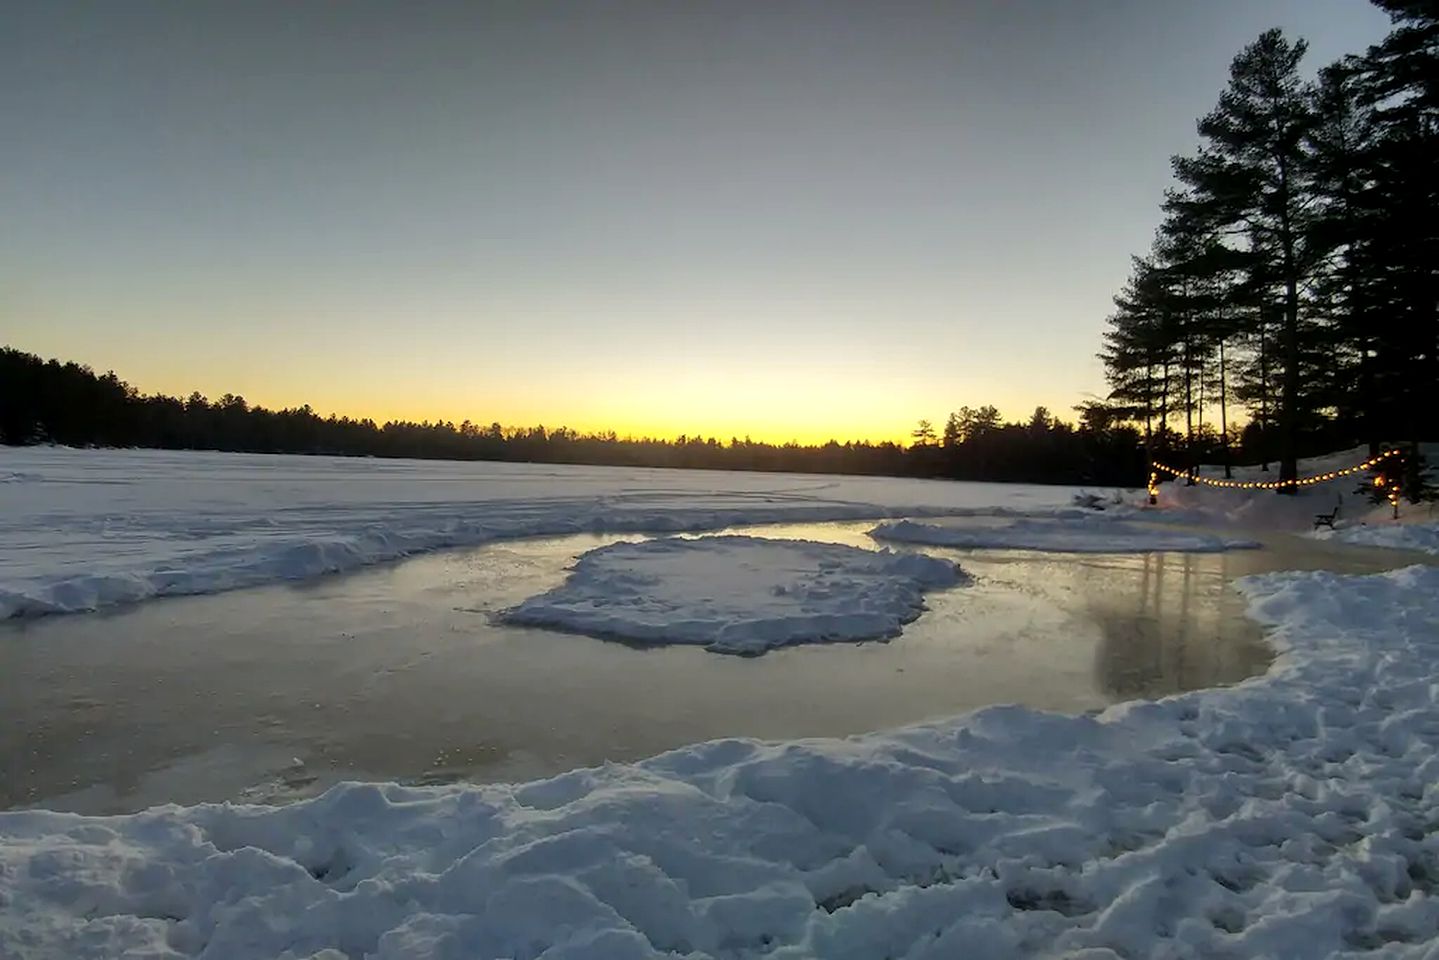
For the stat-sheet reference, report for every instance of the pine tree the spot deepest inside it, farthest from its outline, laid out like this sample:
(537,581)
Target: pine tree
(1199,275)
(1399,79)
(1138,354)
(1296,270)
(1252,177)
(1212,287)
(1346,292)
(953,433)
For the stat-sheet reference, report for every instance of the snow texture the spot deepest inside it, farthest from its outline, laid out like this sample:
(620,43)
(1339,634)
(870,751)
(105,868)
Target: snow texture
(1295,815)
(84,529)
(1066,533)
(741,595)
(1423,537)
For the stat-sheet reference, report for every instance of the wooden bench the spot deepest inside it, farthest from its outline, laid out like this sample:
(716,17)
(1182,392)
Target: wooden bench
(1326,519)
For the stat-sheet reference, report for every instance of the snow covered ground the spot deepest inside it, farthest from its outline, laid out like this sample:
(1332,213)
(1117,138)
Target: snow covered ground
(1291,816)
(84,529)
(1359,521)
(741,595)
(1415,535)
(1068,532)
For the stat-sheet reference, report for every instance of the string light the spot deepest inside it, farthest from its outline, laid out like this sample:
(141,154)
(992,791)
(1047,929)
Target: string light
(1275,484)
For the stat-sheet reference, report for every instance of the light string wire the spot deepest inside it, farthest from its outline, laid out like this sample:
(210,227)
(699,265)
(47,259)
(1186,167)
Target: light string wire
(1275,484)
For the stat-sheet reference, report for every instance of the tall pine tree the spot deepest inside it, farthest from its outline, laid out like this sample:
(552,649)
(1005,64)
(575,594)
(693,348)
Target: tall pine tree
(1399,79)
(1254,177)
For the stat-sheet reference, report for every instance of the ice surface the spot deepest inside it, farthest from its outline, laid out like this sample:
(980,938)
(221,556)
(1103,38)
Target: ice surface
(1291,816)
(1070,532)
(738,594)
(83,529)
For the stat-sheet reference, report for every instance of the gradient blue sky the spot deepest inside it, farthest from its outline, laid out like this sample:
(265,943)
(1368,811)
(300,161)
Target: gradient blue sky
(777,218)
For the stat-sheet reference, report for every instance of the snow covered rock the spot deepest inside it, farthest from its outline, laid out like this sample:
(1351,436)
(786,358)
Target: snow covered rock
(738,594)
(1066,533)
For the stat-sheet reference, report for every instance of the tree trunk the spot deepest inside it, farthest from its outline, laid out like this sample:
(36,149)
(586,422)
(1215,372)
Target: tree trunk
(1264,393)
(1288,427)
(1148,409)
(1188,414)
(1224,416)
(1199,401)
(1289,409)
(1163,403)
(1368,398)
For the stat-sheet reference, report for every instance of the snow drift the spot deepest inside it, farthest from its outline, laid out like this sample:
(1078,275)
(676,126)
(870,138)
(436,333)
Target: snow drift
(1291,816)
(1423,537)
(1070,533)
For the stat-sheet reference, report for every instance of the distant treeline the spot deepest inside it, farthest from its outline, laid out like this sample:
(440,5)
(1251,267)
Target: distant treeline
(67,403)
(1294,274)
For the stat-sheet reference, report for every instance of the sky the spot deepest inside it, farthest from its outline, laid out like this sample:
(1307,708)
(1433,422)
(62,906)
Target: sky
(787,220)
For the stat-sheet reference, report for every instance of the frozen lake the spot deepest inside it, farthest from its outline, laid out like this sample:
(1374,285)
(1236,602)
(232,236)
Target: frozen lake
(181,628)
(87,529)
(253,670)
(398,672)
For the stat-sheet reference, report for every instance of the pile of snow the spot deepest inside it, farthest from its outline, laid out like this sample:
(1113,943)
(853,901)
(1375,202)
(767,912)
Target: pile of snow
(1291,816)
(1075,532)
(740,595)
(1421,536)
(84,529)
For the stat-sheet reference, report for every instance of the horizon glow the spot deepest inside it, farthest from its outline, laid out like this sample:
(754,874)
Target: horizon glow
(793,221)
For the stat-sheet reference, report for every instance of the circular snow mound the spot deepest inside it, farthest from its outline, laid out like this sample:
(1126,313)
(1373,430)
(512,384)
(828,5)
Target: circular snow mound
(740,595)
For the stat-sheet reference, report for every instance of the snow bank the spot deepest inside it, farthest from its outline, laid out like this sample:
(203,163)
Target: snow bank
(740,595)
(1402,536)
(84,529)
(1266,510)
(1069,533)
(1291,816)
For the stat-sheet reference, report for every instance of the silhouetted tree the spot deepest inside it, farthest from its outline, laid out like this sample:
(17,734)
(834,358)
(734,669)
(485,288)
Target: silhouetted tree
(1253,176)
(1296,268)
